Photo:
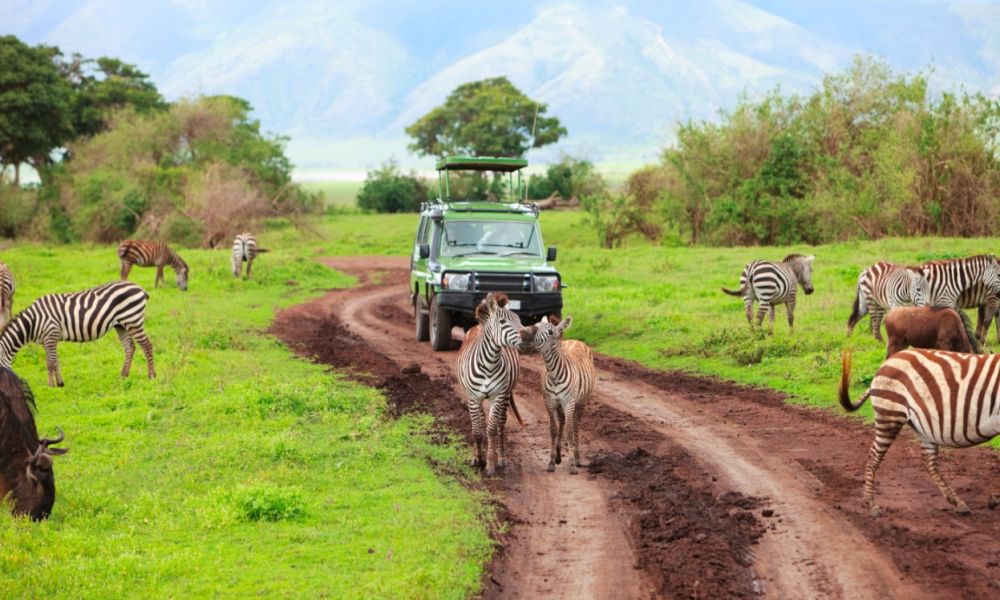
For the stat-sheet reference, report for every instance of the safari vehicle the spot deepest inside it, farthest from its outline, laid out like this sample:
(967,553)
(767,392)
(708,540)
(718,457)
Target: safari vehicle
(466,249)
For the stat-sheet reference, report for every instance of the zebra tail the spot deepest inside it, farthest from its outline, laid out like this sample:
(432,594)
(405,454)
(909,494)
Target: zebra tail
(856,314)
(262,250)
(513,409)
(738,292)
(122,250)
(977,348)
(845,384)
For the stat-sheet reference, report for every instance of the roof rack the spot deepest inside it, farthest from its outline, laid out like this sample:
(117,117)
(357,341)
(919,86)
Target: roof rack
(481,207)
(481,163)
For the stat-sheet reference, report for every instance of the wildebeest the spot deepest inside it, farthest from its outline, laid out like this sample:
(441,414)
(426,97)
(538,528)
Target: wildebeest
(931,327)
(25,460)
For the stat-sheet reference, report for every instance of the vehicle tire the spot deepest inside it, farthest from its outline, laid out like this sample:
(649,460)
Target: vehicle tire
(440,326)
(421,319)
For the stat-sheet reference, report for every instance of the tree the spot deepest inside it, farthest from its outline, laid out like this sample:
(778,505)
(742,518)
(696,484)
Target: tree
(484,118)
(34,106)
(104,85)
(387,190)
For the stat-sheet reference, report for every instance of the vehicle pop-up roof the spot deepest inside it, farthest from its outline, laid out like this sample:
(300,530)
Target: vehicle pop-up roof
(481,163)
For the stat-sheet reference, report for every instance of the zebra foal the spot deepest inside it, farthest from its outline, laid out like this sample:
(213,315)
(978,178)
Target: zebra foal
(771,283)
(152,254)
(883,287)
(81,317)
(245,250)
(6,295)
(567,383)
(488,369)
(948,398)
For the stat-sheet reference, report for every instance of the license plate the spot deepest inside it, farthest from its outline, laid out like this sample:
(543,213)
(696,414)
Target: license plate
(514,304)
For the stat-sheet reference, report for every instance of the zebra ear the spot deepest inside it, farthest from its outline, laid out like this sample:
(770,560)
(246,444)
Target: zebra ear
(564,325)
(810,258)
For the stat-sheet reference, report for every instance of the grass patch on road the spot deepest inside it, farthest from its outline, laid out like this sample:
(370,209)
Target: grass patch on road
(241,470)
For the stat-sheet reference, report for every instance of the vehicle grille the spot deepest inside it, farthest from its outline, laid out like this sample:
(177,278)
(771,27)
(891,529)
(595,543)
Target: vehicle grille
(503,282)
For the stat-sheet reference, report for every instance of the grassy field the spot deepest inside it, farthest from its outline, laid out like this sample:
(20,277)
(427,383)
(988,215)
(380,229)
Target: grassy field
(336,194)
(241,470)
(663,307)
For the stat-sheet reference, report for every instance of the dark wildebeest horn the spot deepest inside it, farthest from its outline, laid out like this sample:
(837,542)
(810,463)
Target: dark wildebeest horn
(44,443)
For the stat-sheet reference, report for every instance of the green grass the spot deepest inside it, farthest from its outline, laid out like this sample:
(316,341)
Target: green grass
(339,194)
(241,470)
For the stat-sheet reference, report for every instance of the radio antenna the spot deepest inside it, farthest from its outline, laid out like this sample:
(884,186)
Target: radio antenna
(534,123)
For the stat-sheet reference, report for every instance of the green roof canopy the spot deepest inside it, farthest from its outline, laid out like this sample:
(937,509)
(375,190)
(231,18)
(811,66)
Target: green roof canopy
(481,163)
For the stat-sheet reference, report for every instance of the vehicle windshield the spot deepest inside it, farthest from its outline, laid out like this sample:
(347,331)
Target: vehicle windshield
(501,238)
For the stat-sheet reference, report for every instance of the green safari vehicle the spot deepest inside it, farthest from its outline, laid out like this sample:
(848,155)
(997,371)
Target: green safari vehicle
(463,250)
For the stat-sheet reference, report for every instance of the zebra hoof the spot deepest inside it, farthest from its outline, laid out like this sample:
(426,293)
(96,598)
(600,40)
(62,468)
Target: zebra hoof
(962,508)
(551,467)
(993,502)
(558,459)
(60,384)
(573,471)
(875,512)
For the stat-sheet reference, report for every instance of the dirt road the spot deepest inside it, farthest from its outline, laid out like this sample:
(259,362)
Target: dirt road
(696,489)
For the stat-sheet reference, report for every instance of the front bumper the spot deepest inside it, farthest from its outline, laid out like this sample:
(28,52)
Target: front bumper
(533,304)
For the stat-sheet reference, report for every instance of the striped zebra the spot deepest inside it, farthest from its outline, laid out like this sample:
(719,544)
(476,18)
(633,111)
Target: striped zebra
(986,302)
(883,287)
(948,398)
(245,250)
(488,370)
(6,295)
(152,254)
(567,383)
(81,317)
(773,283)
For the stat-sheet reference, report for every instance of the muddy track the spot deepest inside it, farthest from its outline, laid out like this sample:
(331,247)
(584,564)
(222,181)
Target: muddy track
(697,488)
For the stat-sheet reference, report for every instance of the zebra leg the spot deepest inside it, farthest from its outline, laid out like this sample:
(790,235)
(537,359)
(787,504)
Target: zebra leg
(249,265)
(930,454)
(494,427)
(877,314)
(562,427)
(126,267)
(553,409)
(159,276)
(762,309)
(52,360)
(571,437)
(128,345)
(139,335)
(478,430)
(790,307)
(886,430)
(748,302)
(502,433)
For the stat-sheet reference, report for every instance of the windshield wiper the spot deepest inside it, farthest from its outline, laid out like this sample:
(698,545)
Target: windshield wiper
(472,253)
(520,254)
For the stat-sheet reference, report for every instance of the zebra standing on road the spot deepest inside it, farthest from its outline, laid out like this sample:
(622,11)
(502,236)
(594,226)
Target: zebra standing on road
(567,383)
(152,254)
(81,317)
(773,283)
(883,287)
(245,250)
(948,398)
(488,369)
(6,295)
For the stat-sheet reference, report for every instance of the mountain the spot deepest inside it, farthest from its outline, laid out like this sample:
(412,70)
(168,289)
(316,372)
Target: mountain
(343,79)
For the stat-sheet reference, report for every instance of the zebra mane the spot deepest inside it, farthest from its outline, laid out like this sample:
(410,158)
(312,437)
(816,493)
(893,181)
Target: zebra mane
(501,300)
(792,257)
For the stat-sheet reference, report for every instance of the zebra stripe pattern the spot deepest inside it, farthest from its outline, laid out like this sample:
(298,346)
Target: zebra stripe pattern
(81,317)
(986,302)
(771,283)
(883,287)
(567,383)
(488,370)
(245,250)
(948,279)
(145,253)
(948,398)
(6,295)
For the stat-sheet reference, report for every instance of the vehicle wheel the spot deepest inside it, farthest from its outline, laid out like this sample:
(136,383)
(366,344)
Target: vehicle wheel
(440,322)
(422,326)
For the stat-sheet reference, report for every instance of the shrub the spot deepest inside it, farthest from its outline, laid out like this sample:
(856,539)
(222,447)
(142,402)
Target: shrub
(17,208)
(387,190)
(268,503)
(616,216)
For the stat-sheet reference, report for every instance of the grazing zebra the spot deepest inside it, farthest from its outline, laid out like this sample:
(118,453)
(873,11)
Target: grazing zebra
(245,250)
(883,287)
(149,254)
(948,279)
(948,398)
(773,283)
(488,370)
(986,303)
(81,317)
(6,295)
(566,385)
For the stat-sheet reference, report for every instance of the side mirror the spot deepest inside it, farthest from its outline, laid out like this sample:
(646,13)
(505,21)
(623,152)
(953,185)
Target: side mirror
(551,255)
(425,251)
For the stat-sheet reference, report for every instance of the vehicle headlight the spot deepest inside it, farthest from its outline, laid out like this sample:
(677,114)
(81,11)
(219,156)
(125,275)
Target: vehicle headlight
(546,283)
(455,281)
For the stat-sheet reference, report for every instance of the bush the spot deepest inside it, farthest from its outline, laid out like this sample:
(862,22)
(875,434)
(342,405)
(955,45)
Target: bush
(268,503)
(570,179)
(386,190)
(17,208)
(616,216)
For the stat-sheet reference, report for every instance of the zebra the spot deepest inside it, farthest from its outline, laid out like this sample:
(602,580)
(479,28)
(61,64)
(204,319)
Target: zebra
(948,398)
(149,254)
(773,283)
(6,295)
(245,250)
(488,369)
(881,288)
(81,317)
(986,302)
(567,383)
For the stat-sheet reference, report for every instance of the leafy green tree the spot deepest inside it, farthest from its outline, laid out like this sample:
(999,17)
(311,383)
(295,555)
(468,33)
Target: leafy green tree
(387,190)
(34,106)
(104,85)
(484,118)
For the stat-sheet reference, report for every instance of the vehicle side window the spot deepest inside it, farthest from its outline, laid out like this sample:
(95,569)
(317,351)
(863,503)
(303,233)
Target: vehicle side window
(422,231)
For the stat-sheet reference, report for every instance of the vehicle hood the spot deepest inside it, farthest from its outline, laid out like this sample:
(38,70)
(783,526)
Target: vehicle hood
(519,264)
